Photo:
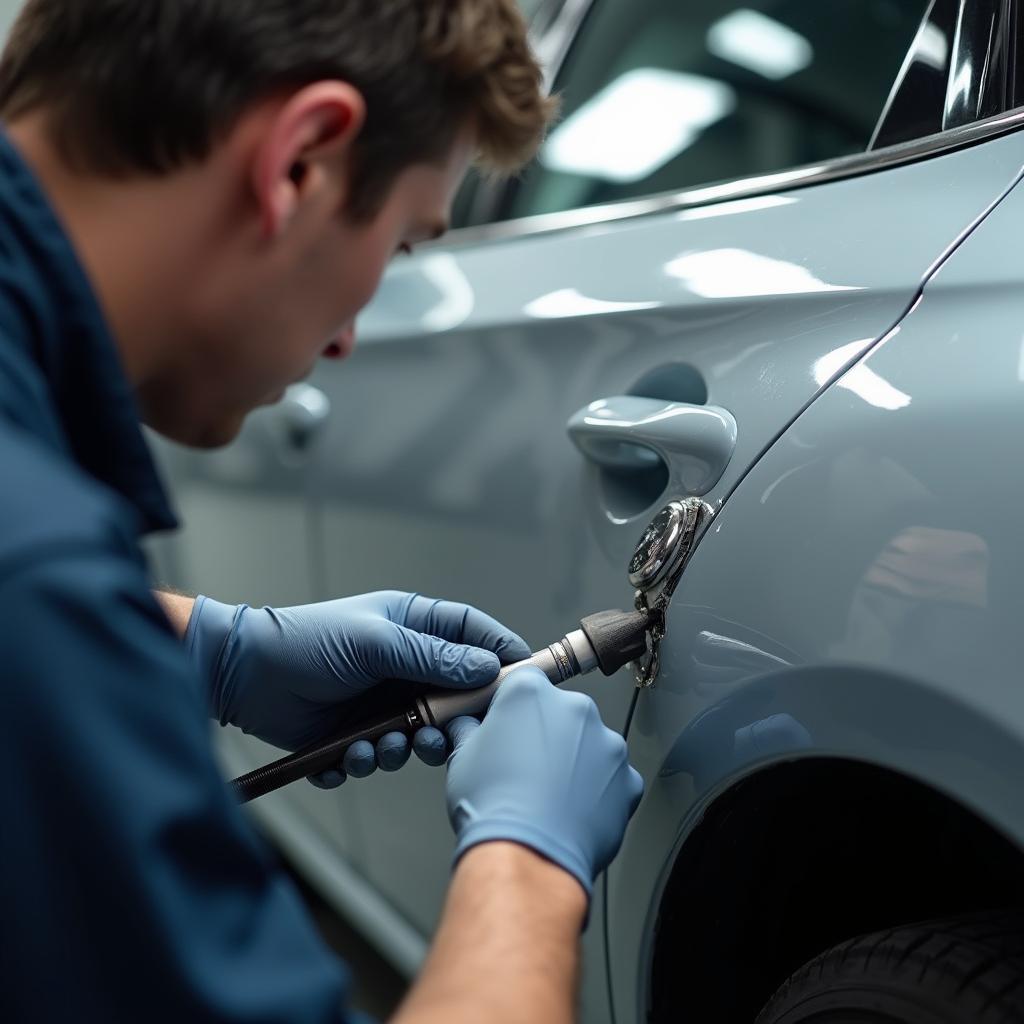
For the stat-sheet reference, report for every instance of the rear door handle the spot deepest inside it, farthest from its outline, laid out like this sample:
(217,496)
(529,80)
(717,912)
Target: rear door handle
(297,420)
(627,433)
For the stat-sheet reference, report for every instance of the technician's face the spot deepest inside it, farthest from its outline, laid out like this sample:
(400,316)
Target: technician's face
(298,301)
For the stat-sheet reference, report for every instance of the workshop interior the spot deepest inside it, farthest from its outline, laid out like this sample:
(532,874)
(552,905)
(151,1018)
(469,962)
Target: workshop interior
(719,406)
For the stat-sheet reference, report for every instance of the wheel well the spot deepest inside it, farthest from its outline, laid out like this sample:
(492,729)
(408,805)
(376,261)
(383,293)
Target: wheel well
(800,857)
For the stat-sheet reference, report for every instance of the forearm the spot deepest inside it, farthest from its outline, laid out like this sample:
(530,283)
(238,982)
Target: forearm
(177,608)
(507,950)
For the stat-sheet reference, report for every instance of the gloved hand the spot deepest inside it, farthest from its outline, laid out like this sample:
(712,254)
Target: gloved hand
(284,674)
(542,770)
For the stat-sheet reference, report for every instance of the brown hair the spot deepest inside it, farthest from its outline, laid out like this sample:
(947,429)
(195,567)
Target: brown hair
(146,86)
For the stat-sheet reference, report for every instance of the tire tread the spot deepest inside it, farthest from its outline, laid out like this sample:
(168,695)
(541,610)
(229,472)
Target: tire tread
(973,965)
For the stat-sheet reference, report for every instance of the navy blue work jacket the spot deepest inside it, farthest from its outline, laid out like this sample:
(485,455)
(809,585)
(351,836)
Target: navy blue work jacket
(131,887)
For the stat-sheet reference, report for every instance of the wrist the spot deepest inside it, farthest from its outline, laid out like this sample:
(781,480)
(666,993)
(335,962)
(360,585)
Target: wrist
(540,842)
(550,890)
(209,631)
(507,949)
(178,608)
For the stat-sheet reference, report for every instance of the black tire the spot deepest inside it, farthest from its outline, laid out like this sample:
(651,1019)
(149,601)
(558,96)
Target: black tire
(957,971)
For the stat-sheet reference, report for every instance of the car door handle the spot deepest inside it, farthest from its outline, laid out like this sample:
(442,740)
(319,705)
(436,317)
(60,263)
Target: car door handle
(299,417)
(628,433)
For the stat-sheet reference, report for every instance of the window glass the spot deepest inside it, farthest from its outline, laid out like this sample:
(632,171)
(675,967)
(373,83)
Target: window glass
(918,102)
(530,8)
(661,95)
(470,205)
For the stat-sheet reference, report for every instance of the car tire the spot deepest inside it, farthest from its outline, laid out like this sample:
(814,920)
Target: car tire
(966,970)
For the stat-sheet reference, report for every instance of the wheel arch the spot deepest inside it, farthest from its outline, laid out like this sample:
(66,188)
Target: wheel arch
(801,854)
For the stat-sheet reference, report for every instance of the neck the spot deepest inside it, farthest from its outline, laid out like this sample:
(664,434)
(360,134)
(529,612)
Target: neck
(112,223)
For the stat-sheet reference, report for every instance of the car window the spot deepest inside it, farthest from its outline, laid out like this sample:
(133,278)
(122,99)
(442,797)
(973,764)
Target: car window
(530,8)
(470,206)
(661,95)
(917,105)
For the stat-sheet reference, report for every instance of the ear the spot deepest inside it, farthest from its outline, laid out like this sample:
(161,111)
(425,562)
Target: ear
(317,122)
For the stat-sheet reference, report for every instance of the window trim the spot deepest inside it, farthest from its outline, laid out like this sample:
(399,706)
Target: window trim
(971,52)
(909,61)
(840,169)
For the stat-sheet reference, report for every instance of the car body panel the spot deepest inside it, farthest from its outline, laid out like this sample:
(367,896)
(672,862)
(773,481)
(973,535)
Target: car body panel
(859,595)
(446,467)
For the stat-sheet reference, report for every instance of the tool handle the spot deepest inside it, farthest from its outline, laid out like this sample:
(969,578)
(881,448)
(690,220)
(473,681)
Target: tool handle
(573,655)
(436,706)
(317,757)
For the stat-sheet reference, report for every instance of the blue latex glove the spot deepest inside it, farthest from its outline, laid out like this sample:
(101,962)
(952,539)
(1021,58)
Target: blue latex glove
(542,770)
(284,674)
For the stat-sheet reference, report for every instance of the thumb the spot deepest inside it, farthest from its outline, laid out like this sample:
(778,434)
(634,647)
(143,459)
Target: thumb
(460,729)
(421,658)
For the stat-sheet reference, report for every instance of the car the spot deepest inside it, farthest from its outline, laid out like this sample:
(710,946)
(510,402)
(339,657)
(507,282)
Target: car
(805,216)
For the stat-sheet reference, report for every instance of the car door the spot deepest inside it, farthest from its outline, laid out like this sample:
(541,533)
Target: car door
(617,268)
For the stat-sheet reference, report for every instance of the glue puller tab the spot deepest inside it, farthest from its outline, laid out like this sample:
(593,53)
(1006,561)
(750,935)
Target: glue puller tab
(608,641)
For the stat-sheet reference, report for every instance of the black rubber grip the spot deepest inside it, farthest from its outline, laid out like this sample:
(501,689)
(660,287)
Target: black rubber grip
(317,757)
(617,638)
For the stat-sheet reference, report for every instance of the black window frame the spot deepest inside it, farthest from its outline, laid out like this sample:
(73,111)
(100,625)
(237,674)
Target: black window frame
(985,62)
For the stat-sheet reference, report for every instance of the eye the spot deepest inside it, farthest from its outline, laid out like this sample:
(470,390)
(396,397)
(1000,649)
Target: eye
(405,249)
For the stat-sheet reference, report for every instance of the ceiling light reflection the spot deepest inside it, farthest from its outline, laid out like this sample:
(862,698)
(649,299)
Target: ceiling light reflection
(759,43)
(569,302)
(932,47)
(859,378)
(751,205)
(455,305)
(637,124)
(737,273)
(831,365)
(873,389)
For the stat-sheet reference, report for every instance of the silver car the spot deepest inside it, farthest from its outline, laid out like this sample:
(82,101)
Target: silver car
(800,218)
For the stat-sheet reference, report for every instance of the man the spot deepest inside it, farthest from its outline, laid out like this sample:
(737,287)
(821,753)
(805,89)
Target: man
(196,199)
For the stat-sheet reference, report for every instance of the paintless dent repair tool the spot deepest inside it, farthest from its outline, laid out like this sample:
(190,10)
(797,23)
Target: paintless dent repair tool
(607,640)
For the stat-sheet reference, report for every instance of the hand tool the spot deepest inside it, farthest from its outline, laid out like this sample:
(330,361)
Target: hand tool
(607,640)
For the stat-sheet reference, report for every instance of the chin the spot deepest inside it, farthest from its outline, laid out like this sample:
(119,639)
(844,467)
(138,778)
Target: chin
(217,435)
(206,436)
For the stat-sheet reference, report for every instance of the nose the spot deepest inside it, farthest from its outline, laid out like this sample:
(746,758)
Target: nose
(343,344)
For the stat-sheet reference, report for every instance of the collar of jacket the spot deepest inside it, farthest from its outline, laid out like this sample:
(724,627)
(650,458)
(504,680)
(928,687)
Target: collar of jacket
(80,399)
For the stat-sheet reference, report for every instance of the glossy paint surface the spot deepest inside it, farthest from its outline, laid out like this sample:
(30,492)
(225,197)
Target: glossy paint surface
(445,466)
(860,594)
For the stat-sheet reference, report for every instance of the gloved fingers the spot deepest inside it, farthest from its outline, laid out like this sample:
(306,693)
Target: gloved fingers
(431,746)
(393,751)
(464,624)
(360,760)
(529,683)
(421,658)
(460,729)
(330,779)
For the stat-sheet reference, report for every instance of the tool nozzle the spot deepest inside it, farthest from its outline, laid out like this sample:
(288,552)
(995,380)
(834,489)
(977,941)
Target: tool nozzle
(617,637)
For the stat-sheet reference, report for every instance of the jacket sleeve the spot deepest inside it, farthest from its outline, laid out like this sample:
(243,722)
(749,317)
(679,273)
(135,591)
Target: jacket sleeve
(132,887)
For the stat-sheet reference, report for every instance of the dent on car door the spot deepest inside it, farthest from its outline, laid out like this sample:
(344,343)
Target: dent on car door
(449,469)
